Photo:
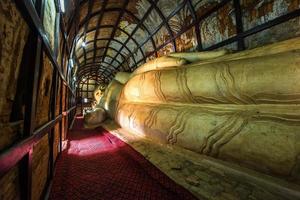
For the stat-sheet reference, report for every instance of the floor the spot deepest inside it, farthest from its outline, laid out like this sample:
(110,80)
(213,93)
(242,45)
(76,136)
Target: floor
(98,165)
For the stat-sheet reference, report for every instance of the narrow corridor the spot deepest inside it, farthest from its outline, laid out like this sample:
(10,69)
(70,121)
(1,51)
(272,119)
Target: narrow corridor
(192,99)
(98,165)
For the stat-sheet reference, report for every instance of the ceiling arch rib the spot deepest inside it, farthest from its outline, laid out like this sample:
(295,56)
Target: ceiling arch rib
(109,26)
(113,40)
(101,62)
(115,35)
(116,25)
(121,61)
(98,24)
(86,25)
(135,20)
(123,46)
(95,71)
(180,6)
(105,63)
(95,74)
(139,24)
(166,23)
(100,48)
(89,16)
(94,77)
(97,66)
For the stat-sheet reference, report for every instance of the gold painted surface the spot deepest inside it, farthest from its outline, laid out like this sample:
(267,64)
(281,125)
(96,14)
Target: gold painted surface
(110,98)
(244,109)
(160,63)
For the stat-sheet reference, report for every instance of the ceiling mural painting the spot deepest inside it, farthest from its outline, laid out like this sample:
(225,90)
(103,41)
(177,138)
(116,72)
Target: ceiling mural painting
(121,35)
(143,27)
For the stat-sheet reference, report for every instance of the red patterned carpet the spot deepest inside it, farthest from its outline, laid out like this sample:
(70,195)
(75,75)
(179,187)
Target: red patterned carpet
(98,165)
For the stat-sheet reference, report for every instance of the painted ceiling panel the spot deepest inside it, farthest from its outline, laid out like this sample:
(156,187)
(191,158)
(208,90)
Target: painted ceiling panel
(101,43)
(93,22)
(104,33)
(83,11)
(97,5)
(110,18)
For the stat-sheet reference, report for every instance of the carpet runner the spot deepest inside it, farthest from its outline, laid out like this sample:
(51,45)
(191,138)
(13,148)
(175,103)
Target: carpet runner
(98,165)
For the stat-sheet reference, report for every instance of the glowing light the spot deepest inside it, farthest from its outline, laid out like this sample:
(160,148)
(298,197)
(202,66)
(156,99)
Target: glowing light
(85,100)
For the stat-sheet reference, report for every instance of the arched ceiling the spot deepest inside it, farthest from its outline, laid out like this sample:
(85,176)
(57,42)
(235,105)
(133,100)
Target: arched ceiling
(119,35)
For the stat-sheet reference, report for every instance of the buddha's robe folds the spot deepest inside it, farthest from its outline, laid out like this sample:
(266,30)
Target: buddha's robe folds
(244,108)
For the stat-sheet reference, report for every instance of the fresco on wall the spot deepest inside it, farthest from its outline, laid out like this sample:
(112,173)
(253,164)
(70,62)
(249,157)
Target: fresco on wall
(160,32)
(218,27)
(202,6)
(259,12)
(187,42)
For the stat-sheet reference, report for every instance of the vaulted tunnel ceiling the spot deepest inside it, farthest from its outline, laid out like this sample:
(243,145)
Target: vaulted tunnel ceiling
(119,35)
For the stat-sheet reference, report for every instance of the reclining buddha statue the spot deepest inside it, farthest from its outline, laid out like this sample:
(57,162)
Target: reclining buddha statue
(241,107)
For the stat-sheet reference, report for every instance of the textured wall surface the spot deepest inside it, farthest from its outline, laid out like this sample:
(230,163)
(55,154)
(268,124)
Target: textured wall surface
(9,185)
(13,36)
(44,93)
(39,167)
